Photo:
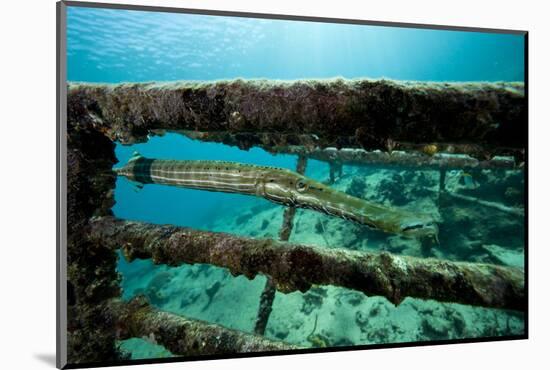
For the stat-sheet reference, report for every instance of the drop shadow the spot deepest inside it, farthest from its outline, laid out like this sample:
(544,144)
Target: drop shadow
(46,358)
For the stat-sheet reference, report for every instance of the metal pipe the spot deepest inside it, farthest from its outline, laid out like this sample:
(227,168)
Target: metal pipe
(296,267)
(181,335)
(373,112)
(268,294)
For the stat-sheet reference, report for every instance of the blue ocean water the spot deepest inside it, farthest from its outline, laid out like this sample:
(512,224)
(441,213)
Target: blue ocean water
(119,46)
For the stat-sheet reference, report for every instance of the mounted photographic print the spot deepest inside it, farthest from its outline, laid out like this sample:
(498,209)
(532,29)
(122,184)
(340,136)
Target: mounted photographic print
(235,184)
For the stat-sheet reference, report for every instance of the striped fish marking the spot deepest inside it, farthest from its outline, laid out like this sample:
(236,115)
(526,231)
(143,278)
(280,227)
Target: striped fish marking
(280,186)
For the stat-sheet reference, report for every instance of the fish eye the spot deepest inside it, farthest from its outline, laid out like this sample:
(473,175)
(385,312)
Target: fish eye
(301,185)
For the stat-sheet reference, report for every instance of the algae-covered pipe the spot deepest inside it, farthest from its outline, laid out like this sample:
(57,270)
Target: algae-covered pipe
(426,156)
(296,267)
(372,111)
(181,335)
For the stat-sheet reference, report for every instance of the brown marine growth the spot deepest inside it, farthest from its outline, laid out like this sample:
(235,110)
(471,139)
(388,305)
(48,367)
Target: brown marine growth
(180,335)
(408,155)
(297,267)
(369,111)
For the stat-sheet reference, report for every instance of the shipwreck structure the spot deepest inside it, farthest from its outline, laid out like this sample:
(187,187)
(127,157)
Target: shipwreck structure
(377,123)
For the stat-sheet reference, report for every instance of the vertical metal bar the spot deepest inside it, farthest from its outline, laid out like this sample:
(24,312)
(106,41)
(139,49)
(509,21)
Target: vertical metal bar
(335,169)
(268,294)
(266,306)
(442,174)
(331,173)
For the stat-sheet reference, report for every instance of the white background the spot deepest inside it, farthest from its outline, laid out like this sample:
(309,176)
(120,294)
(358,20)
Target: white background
(27,203)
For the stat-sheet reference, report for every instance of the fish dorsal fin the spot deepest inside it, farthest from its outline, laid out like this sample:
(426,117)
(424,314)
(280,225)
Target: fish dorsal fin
(135,156)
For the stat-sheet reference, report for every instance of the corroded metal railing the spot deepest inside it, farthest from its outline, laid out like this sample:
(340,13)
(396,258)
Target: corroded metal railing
(294,267)
(181,335)
(374,114)
(394,155)
(420,125)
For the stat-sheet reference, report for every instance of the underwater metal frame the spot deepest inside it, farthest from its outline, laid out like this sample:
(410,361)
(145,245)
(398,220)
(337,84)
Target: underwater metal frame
(101,155)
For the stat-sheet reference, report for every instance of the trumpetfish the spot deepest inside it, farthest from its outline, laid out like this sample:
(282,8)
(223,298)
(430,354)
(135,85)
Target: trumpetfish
(280,186)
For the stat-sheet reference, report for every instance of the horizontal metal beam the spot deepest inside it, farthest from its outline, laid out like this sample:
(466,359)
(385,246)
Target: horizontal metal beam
(296,267)
(399,155)
(516,211)
(428,156)
(401,159)
(181,335)
(374,113)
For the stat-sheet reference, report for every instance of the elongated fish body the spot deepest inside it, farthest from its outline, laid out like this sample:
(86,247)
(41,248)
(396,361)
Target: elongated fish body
(280,186)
